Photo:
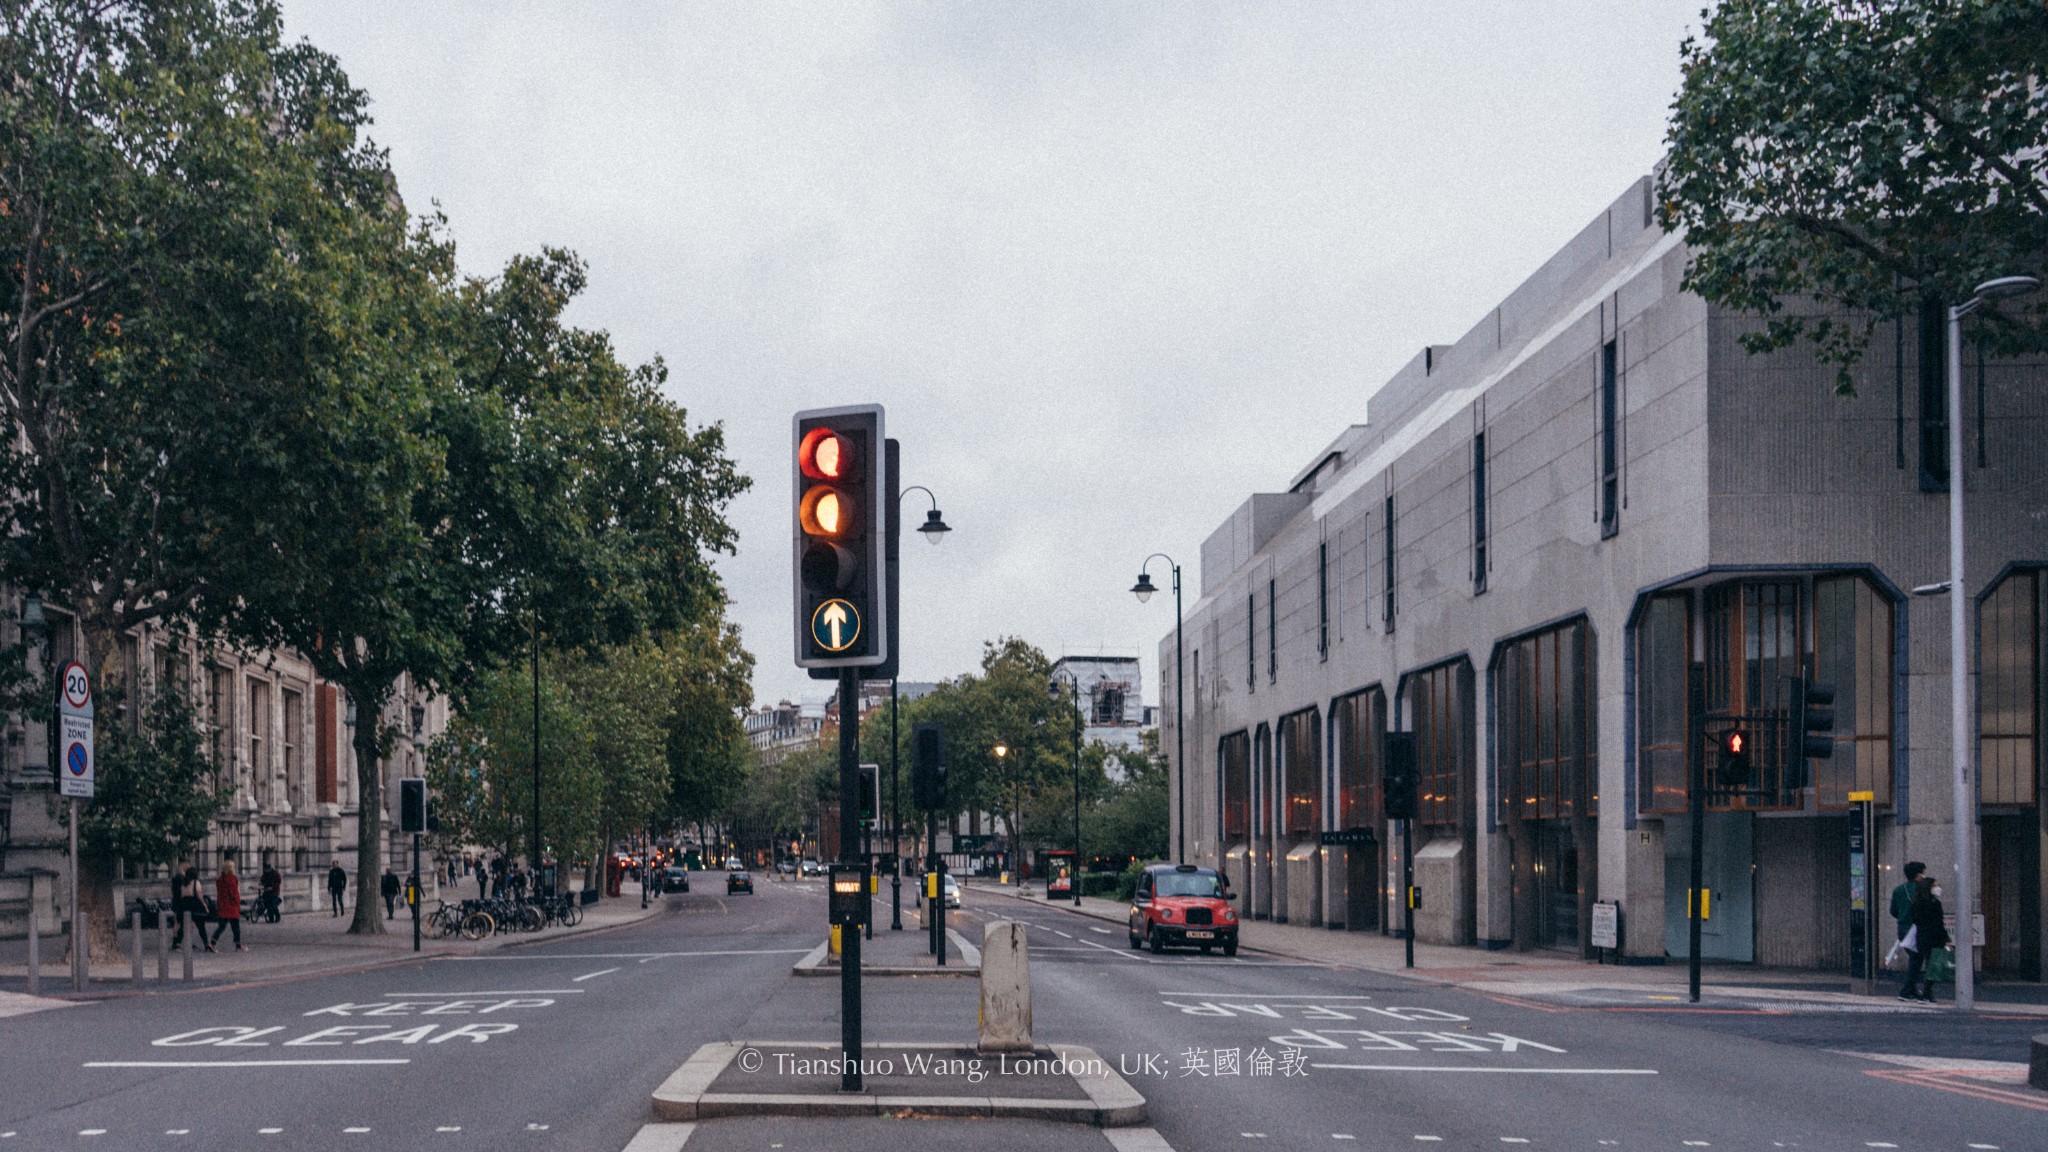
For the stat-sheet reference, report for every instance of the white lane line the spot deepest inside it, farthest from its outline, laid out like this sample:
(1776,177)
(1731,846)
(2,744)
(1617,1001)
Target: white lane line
(449,1128)
(492,992)
(231,1063)
(660,1138)
(1878,1144)
(536,1127)
(1514,1139)
(268,1131)
(1244,995)
(1104,931)
(357,1130)
(1431,1139)
(92,1131)
(1697,1144)
(1980,1147)
(1136,1140)
(592,975)
(630,955)
(167,1132)
(1342,1136)
(1057,932)
(1118,952)
(1527,1071)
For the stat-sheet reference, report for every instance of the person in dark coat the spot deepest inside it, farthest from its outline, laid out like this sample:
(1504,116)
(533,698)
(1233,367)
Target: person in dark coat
(337,883)
(272,902)
(186,901)
(1930,924)
(388,888)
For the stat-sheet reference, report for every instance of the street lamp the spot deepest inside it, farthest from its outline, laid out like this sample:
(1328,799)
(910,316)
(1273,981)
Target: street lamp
(1143,590)
(1960,726)
(1002,752)
(933,529)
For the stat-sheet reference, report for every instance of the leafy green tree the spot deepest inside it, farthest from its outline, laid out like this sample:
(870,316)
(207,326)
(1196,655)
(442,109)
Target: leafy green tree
(154,799)
(480,769)
(189,219)
(1131,818)
(1880,157)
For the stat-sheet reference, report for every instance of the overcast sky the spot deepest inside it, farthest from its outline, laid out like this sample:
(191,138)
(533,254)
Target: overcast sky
(1111,266)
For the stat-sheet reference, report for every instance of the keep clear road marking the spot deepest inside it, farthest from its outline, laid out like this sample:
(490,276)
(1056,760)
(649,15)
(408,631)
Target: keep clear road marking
(628,955)
(496,992)
(1503,1071)
(231,1063)
(592,975)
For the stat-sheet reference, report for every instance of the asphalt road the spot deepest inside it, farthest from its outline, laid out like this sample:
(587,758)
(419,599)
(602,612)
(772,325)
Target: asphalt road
(560,1046)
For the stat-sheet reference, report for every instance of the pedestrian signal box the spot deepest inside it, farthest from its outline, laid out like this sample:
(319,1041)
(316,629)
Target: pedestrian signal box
(849,894)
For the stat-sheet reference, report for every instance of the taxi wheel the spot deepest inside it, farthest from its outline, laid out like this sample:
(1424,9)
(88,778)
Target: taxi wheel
(1230,948)
(1158,942)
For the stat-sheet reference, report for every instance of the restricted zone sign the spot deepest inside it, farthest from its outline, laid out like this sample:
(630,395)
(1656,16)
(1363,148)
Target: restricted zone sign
(74,732)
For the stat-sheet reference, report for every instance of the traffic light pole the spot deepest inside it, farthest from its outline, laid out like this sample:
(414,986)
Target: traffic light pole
(849,845)
(1408,889)
(895,824)
(1696,792)
(418,892)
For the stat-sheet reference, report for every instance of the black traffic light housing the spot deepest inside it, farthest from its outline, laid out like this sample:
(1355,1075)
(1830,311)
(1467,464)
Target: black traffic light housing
(840,511)
(848,894)
(870,793)
(1813,727)
(928,767)
(412,804)
(1400,777)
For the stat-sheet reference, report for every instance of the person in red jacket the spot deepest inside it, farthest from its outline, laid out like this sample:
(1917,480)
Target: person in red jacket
(227,897)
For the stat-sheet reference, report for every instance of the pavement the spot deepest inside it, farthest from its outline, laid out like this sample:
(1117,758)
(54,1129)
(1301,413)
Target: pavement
(305,944)
(1557,977)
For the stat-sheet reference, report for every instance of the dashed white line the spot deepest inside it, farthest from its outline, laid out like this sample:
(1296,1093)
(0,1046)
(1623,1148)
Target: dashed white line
(1514,1139)
(493,992)
(92,1131)
(1979,1147)
(536,1127)
(1342,1136)
(1104,931)
(592,975)
(1253,1135)
(1431,1139)
(167,1132)
(1697,1144)
(1878,1144)
(357,1131)
(268,1131)
(449,1128)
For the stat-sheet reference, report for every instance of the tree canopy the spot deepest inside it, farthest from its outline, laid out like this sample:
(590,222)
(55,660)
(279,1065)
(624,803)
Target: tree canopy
(1870,155)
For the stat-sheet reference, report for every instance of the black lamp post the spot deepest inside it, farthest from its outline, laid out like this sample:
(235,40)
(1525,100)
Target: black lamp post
(1143,589)
(934,530)
(1074,685)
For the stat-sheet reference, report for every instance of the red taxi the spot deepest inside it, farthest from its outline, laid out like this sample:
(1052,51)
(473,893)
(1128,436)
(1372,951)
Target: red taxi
(1182,905)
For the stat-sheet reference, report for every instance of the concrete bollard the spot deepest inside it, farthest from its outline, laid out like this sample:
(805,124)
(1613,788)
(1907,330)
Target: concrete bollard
(192,929)
(1005,988)
(135,947)
(2037,1067)
(81,951)
(163,949)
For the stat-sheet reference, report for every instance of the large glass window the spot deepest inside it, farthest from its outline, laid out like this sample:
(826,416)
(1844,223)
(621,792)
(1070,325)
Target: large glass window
(1300,760)
(1663,651)
(1440,708)
(1753,646)
(1361,724)
(2009,691)
(1234,758)
(1544,696)
(1852,649)
(1610,438)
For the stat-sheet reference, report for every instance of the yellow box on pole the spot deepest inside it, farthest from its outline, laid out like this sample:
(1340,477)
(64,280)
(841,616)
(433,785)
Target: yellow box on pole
(874,885)
(1862,797)
(835,939)
(931,885)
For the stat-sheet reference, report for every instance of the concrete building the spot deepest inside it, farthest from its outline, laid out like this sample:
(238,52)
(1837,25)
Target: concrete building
(287,780)
(1534,538)
(1112,699)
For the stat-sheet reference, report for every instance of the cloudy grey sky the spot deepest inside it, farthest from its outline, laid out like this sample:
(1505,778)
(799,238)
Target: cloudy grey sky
(1111,266)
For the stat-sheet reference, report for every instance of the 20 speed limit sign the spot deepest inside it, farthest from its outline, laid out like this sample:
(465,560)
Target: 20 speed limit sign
(74,731)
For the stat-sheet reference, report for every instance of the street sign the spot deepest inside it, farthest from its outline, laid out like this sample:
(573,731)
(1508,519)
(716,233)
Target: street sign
(1606,927)
(835,625)
(1348,836)
(74,743)
(74,696)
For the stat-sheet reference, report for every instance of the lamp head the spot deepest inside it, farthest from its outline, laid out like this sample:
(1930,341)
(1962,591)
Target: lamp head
(1144,588)
(934,528)
(33,622)
(2005,287)
(1002,750)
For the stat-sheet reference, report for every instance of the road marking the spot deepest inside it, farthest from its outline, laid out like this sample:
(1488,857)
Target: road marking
(355,1129)
(1697,1144)
(92,1131)
(536,1127)
(1104,931)
(231,1063)
(629,955)
(449,1128)
(1431,1139)
(512,992)
(1057,932)
(1503,1071)
(167,1132)
(1342,1136)
(1514,1139)
(1878,1144)
(1253,1135)
(1984,1147)
(268,1131)
(593,975)
(660,1137)
(1242,994)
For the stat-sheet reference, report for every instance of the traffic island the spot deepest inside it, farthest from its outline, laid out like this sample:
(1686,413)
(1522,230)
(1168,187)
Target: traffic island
(896,954)
(1058,1082)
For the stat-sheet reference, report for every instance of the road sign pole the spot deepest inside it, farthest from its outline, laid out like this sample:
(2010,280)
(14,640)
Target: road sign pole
(80,944)
(419,891)
(1696,787)
(849,846)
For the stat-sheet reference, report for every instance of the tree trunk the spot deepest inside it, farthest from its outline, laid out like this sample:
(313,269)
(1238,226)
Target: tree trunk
(97,869)
(369,812)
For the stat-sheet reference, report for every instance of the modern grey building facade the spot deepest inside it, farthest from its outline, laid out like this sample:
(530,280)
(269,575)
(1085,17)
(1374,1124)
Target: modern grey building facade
(1537,534)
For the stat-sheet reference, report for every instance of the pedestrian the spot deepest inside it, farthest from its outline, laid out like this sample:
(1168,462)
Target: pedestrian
(482,882)
(1902,897)
(1930,931)
(388,888)
(186,901)
(272,893)
(227,911)
(337,883)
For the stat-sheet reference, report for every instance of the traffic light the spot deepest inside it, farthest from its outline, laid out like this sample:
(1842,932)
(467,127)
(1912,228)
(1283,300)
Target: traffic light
(870,792)
(1813,728)
(1400,778)
(840,512)
(928,766)
(1735,767)
(412,804)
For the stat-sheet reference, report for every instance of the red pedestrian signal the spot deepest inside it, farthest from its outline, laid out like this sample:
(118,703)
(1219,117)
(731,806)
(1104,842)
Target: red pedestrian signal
(1736,765)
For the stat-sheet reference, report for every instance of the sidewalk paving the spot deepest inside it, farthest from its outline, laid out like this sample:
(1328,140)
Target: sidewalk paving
(1545,974)
(303,944)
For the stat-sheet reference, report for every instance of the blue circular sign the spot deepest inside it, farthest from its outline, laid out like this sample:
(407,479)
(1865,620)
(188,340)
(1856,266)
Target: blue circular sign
(835,625)
(77,760)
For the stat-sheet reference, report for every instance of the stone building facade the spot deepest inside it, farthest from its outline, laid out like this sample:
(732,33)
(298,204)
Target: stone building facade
(1538,534)
(281,737)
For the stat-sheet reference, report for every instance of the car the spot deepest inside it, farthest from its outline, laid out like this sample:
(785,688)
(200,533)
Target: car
(786,866)
(1183,905)
(811,867)
(738,880)
(951,888)
(675,878)
(735,864)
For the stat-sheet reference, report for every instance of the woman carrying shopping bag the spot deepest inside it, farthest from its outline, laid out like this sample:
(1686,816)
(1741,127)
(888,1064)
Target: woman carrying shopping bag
(1930,932)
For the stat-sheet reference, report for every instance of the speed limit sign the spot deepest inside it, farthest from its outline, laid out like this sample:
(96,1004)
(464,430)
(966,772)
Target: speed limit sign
(74,690)
(74,732)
